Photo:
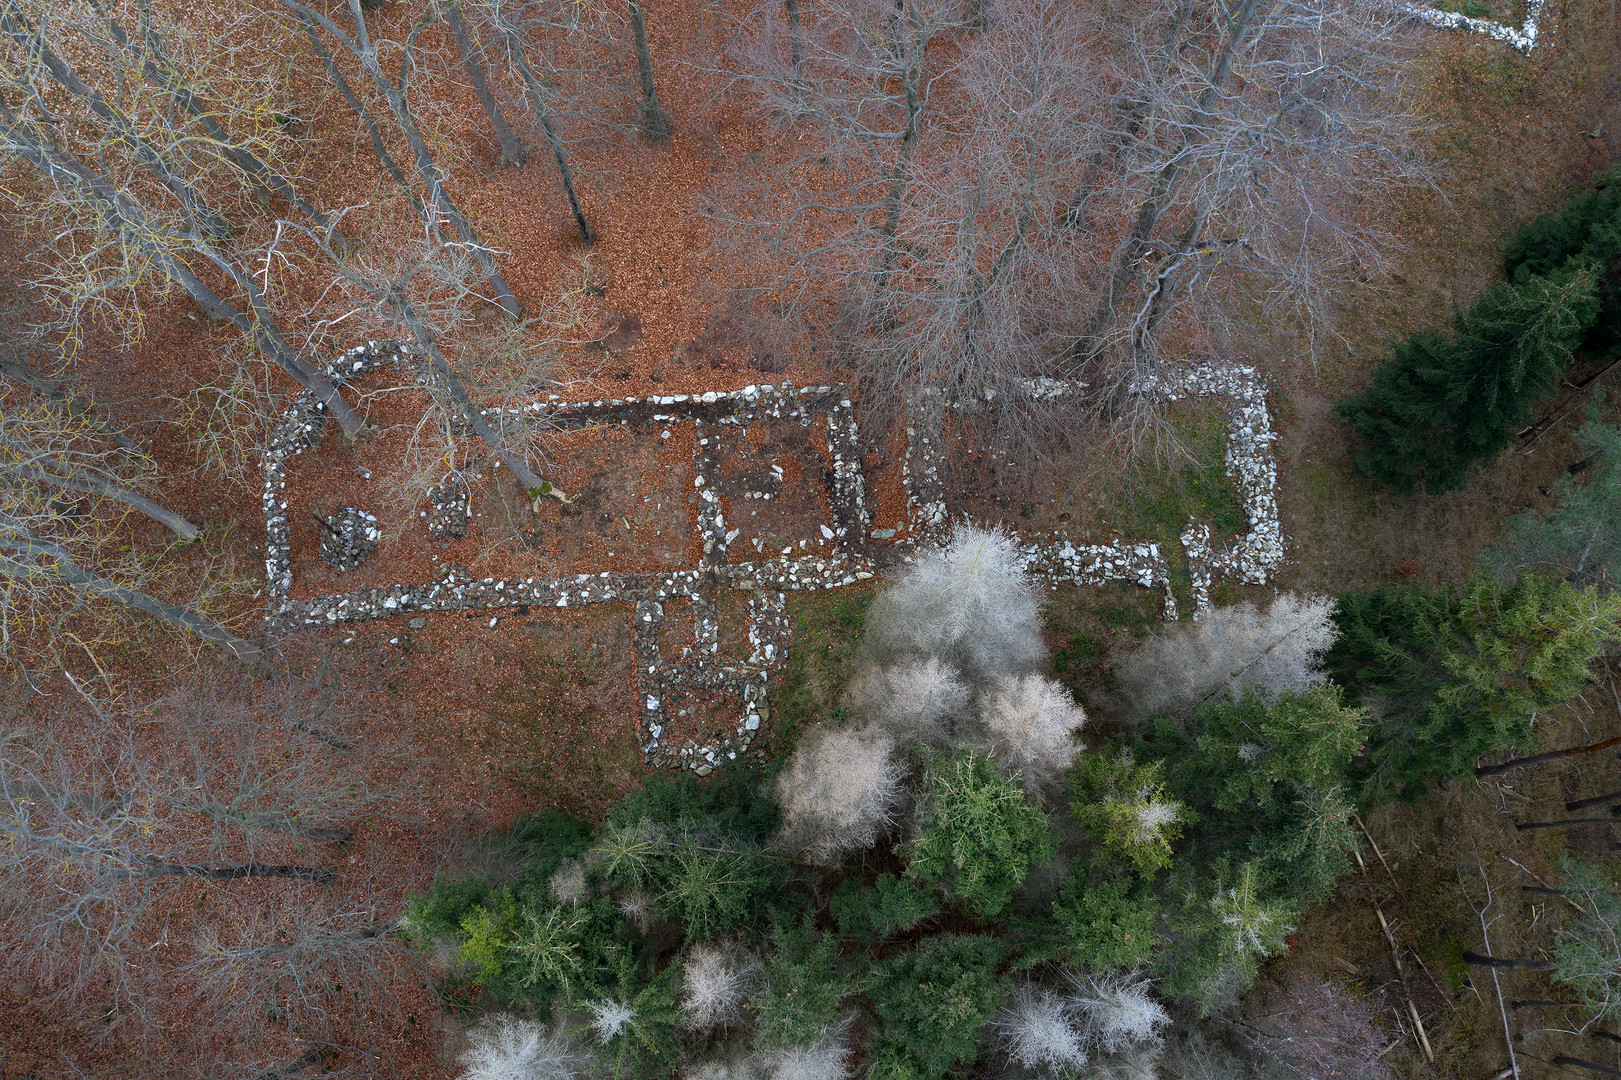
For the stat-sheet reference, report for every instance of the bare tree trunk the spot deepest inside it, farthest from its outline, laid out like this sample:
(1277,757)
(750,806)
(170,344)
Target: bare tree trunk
(1596,800)
(21,372)
(308,1059)
(367,120)
(796,39)
(96,485)
(162,74)
(1540,1003)
(655,121)
(1129,259)
(1524,826)
(894,198)
(1566,1059)
(283,824)
(127,218)
(156,867)
(32,41)
(396,96)
(66,570)
(512,152)
(1552,755)
(440,369)
(1506,963)
(537,104)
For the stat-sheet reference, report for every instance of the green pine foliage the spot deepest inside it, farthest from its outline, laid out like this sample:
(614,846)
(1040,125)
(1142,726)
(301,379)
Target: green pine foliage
(932,1002)
(1124,804)
(636,1024)
(486,931)
(1188,849)
(1268,782)
(1440,404)
(880,909)
(712,888)
(1284,768)
(437,915)
(1588,227)
(1223,927)
(1252,754)
(979,834)
(1104,920)
(1452,678)
(569,951)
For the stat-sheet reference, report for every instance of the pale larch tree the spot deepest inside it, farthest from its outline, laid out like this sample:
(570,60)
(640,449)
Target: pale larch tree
(506,1047)
(1037,1030)
(969,603)
(1033,722)
(1228,651)
(839,792)
(915,700)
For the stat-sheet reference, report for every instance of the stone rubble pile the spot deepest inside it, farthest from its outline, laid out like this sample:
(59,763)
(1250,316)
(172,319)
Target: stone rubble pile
(347,537)
(450,508)
(1524,38)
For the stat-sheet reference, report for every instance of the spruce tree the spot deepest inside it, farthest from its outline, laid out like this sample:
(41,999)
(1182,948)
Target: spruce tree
(1452,678)
(1589,225)
(1438,406)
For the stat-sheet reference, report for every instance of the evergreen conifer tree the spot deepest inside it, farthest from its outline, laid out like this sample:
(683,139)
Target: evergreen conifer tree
(1580,537)
(1589,224)
(1438,406)
(1452,678)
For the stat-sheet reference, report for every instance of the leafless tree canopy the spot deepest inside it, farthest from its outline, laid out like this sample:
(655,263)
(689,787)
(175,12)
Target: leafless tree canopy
(1228,651)
(115,812)
(1055,195)
(67,491)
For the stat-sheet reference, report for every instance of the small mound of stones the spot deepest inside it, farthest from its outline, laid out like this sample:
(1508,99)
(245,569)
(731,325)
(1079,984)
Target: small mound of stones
(348,536)
(449,510)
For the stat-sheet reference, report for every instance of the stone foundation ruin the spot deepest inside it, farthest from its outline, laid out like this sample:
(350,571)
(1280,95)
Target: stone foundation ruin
(858,551)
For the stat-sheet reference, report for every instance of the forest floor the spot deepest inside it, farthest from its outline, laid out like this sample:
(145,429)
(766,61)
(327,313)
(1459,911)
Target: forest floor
(539,711)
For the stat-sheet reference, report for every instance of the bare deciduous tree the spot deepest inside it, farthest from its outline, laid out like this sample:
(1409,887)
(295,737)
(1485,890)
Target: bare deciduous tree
(43,443)
(1034,723)
(64,500)
(1055,197)
(655,121)
(1037,1030)
(912,699)
(1320,1032)
(1244,150)
(32,40)
(246,145)
(512,151)
(1228,651)
(511,23)
(112,807)
(426,290)
(504,1047)
(106,246)
(396,92)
